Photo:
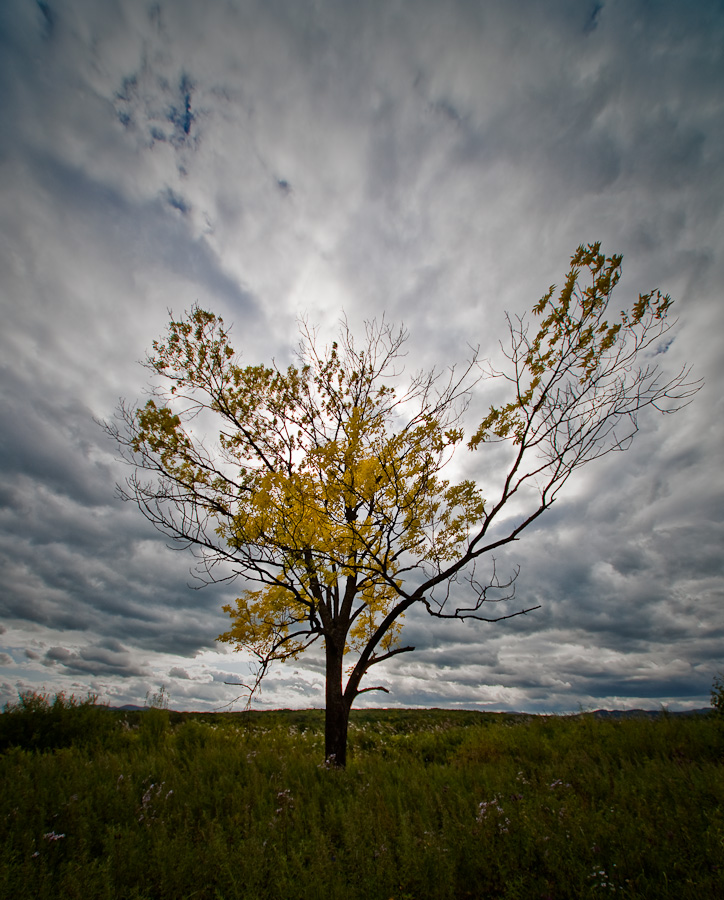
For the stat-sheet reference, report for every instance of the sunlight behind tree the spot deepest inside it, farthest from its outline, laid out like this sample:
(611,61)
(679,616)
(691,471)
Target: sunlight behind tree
(324,487)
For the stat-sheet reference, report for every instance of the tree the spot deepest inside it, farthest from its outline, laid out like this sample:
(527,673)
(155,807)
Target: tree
(324,487)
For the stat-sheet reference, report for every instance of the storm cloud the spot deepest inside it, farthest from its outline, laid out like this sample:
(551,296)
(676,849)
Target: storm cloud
(435,163)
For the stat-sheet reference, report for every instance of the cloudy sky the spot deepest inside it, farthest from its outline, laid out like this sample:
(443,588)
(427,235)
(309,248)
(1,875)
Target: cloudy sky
(435,162)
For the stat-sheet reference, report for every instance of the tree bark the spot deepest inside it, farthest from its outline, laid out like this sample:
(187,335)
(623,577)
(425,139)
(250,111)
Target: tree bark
(336,718)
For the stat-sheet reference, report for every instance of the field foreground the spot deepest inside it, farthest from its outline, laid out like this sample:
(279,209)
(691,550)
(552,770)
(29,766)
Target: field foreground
(95,803)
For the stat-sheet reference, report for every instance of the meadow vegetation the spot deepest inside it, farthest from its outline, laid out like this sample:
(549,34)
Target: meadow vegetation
(97,803)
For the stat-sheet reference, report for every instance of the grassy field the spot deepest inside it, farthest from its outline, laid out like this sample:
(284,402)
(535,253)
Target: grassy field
(96,803)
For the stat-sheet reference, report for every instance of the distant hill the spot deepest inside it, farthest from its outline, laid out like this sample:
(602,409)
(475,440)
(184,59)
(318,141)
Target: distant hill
(598,713)
(644,713)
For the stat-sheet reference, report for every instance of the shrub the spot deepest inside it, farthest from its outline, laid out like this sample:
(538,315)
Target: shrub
(717,694)
(36,722)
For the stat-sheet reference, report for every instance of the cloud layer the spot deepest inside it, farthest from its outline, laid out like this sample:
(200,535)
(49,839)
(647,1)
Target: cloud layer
(437,163)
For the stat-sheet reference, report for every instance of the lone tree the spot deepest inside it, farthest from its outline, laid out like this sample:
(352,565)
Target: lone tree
(323,485)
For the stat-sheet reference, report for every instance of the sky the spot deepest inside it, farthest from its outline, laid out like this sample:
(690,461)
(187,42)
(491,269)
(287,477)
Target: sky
(437,163)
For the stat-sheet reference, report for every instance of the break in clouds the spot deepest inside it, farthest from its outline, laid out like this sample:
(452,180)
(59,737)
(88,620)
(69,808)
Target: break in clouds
(435,163)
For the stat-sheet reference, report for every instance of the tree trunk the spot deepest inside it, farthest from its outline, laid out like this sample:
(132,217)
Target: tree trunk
(336,717)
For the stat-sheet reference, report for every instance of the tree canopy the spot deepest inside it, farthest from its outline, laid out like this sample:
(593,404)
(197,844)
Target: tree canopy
(323,486)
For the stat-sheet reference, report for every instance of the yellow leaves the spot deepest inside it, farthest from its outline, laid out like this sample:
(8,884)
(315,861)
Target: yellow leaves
(159,430)
(159,434)
(193,347)
(261,623)
(460,510)
(313,508)
(654,303)
(319,478)
(454,435)
(539,308)
(342,511)
(509,421)
(575,346)
(466,497)
(265,621)
(609,336)
(374,603)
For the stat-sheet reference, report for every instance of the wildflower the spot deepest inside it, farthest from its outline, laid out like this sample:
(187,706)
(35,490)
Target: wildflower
(286,802)
(488,806)
(52,836)
(493,807)
(601,879)
(152,793)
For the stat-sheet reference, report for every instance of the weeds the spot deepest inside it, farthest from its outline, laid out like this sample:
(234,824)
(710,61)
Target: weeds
(431,805)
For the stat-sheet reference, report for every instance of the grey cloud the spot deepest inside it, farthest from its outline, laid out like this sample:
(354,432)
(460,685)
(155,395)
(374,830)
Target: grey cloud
(177,201)
(178,672)
(49,441)
(104,658)
(52,586)
(224,676)
(432,161)
(139,230)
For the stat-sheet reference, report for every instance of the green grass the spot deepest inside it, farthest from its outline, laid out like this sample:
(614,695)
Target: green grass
(433,804)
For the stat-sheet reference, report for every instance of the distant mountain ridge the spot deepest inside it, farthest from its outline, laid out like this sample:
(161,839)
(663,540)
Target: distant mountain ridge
(645,713)
(598,713)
